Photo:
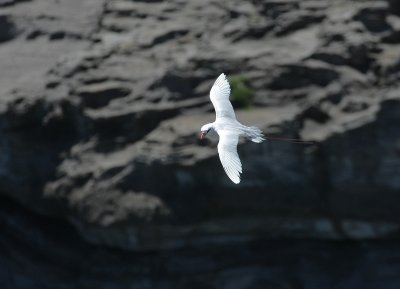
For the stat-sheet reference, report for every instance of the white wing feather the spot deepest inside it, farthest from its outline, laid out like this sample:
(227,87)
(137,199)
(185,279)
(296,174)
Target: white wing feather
(227,150)
(219,96)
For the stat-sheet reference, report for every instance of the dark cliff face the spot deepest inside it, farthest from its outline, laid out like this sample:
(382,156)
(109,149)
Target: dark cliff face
(101,103)
(42,252)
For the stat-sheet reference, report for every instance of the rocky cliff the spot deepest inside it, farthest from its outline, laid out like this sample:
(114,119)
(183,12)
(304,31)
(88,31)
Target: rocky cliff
(101,103)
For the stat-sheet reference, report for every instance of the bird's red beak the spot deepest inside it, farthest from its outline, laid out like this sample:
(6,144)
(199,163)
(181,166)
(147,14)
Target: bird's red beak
(202,135)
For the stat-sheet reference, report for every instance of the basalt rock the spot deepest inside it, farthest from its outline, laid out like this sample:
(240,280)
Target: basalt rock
(100,108)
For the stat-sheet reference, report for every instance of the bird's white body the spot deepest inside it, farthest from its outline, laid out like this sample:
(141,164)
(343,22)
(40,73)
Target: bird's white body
(228,129)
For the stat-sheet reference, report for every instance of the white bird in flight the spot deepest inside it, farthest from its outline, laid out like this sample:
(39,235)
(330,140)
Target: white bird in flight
(228,129)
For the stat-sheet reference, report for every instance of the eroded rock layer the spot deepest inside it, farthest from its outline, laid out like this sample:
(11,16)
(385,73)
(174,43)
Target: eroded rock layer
(101,103)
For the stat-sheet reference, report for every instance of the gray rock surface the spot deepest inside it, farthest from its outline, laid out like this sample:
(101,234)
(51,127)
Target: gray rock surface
(100,108)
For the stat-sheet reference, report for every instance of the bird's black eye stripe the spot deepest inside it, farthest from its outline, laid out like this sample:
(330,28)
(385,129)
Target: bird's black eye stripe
(208,129)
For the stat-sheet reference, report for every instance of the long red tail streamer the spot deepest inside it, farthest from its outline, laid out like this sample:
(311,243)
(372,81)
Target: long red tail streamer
(291,140)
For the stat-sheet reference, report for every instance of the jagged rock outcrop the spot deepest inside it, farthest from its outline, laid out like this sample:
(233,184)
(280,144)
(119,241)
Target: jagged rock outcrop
(101,104)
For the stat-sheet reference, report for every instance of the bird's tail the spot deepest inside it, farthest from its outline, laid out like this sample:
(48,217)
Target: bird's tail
(254,134)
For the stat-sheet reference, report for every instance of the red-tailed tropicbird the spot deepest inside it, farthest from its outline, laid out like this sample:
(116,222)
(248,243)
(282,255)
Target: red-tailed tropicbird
(228,129)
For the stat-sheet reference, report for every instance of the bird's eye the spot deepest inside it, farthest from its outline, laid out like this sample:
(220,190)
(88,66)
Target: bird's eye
(208,129)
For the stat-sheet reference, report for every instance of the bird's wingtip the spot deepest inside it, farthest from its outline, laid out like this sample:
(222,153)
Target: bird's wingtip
(236,180)
(233,177)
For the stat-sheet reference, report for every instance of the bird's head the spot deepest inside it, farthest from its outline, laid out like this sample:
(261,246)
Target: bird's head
(205,129)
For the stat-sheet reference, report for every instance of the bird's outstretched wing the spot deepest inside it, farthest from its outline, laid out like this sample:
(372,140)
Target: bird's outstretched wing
(227,150)
(219,96)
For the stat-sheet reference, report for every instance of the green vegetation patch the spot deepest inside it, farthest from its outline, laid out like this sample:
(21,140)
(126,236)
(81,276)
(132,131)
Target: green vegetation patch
(242,95)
